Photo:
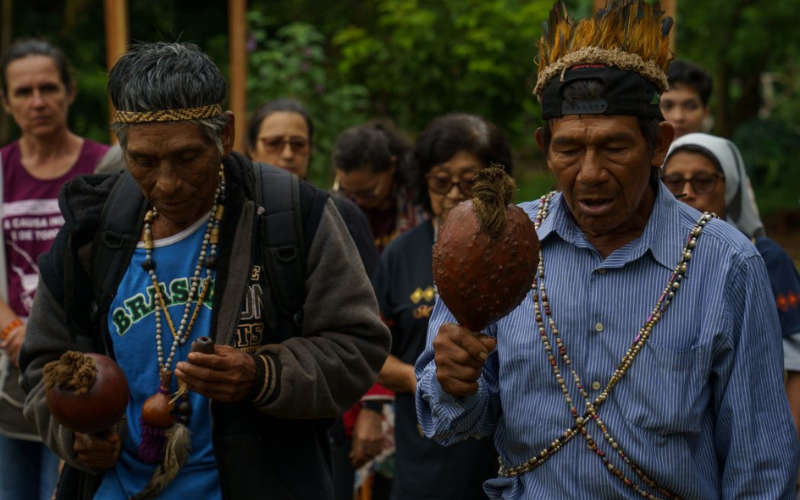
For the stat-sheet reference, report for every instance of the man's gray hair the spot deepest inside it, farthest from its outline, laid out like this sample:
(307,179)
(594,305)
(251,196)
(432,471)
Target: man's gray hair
(159,76)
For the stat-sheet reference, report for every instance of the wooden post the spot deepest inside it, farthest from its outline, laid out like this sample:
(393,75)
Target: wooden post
(237,46)
(6,26)
(116,38)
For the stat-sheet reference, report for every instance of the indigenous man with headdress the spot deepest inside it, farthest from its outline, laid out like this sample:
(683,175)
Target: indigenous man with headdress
(646,360)
(193,264)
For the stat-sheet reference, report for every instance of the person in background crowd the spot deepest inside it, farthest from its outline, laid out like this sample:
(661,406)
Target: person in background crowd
(447,157)
(646,360)
(685,104)
(37,92)
(707,173)
(281,133)
(371,163)
(372,168)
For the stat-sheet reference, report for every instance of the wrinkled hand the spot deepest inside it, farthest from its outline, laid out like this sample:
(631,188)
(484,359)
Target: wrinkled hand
(368,439)
(460,355)
(13,343)
(97,451)
(228,375)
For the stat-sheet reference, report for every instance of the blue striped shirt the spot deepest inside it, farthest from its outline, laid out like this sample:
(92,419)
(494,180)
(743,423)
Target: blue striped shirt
(702,409)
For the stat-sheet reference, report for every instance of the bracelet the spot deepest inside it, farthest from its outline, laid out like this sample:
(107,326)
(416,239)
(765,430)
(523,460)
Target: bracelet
(11,326)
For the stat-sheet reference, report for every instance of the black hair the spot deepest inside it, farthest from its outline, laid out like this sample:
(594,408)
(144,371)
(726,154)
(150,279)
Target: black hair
(686,73)
(283,104)
(36,47)
(158,76)
(452,133)
(376,146)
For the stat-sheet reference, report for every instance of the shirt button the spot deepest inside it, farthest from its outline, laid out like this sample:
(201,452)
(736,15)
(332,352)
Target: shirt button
(598,327)
(596,385)
(601,271)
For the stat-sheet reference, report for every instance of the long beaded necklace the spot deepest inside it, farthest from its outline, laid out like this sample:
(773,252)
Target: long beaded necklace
(207,259)
(540,292)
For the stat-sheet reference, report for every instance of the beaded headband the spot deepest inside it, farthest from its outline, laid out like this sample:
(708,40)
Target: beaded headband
(168,115)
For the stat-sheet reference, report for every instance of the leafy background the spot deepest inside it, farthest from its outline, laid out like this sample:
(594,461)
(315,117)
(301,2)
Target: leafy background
(411,60)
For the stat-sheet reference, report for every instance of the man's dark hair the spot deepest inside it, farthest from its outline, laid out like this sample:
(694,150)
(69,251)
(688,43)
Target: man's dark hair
(36,47)
(453,133)
(285,105)
(159,76)
(374,146)
(686,73)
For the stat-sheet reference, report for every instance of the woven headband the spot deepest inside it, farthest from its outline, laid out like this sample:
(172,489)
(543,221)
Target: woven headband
(168,115)
(594,55)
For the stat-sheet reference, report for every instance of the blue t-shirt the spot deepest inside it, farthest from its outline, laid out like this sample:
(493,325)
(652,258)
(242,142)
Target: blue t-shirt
(131,324)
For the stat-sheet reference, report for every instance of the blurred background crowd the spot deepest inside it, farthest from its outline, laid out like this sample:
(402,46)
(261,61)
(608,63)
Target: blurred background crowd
(359,96)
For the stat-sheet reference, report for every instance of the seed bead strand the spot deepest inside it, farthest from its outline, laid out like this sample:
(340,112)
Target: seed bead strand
(591,412)
(206,258)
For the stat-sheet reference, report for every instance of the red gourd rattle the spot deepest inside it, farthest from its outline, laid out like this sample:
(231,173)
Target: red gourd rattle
(486,253)
(86,392)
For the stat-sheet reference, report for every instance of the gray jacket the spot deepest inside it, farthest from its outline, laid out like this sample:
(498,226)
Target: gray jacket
(315,375)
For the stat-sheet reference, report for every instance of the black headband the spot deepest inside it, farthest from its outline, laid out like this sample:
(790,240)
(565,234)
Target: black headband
(627,93)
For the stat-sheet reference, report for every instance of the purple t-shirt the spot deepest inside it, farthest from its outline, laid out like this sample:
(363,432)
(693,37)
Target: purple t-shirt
(31,218)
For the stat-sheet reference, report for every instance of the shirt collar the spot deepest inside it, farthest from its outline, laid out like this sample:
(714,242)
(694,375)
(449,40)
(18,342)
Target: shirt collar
(662,236)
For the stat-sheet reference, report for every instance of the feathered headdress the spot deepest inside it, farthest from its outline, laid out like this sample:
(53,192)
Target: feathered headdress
(630,35)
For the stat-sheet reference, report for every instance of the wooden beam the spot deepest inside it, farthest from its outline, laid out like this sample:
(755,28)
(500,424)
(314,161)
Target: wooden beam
(237,46)
(6,25)
(116,38)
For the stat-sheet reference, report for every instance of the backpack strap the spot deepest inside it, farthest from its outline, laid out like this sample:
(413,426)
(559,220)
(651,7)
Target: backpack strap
(281,227)
(115,241)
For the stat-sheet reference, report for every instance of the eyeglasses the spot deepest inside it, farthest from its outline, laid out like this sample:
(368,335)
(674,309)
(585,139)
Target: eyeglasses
(365,194)
(442,183)
(278,144)
(361,194)
(701,184)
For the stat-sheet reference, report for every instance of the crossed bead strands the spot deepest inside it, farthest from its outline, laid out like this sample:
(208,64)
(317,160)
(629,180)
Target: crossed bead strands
(540,291)
(207,259)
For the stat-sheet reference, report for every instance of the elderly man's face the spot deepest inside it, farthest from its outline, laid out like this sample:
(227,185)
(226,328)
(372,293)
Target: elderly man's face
(176,166)
(602,165)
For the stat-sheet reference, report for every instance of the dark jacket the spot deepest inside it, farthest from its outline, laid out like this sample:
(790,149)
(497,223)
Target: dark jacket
(271,447)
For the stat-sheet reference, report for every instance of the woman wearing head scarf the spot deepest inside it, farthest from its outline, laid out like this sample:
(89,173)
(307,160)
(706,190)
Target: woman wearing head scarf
(707,172)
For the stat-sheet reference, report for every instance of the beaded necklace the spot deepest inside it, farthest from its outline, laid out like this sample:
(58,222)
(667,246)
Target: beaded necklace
(540,295)
(208,247)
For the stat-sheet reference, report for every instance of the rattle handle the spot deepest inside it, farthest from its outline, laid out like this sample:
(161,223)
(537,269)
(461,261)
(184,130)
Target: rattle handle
(204,345)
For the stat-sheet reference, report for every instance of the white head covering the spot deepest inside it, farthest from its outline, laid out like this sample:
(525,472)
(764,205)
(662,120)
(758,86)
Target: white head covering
(740,202)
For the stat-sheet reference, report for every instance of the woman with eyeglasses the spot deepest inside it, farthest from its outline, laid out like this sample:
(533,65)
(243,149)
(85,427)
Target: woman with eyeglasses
(707,172)
(448,155)
(371,163)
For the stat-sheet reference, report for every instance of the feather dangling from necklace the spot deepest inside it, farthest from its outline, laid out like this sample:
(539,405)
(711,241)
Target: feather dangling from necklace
(176,451)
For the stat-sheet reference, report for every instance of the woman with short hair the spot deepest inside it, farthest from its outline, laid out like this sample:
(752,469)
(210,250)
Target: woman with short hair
(372,169)
(448,155)
(37,92)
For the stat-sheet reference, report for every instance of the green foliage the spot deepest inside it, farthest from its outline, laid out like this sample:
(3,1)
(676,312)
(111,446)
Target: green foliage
(769,150)
(291,62)
(422,59)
